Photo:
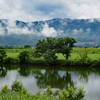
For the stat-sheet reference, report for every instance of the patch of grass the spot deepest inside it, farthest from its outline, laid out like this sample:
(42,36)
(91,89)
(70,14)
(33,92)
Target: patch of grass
(90,50)
(12,54)
(93,53)
(94,56)
(76,56)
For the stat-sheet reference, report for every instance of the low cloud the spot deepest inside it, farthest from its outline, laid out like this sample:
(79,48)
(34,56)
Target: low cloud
(88,30)
(75,31)
(2,31)
(12,28)
(49,31)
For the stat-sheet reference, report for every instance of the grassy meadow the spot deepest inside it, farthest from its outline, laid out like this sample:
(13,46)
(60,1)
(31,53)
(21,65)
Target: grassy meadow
(93,53)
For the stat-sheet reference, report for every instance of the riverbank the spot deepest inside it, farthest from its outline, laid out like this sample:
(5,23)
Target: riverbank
(58,63)
(82,57)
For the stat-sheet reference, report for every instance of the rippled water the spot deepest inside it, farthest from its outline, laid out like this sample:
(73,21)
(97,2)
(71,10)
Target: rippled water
(35,78)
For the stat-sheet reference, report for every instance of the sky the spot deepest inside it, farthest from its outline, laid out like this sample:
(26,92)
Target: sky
(40,10)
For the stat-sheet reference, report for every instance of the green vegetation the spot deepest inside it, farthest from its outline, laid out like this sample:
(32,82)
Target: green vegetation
(2,55)
(92,57)
(24,57)
(19,92)
(27,46)
(52,51)
(53,46)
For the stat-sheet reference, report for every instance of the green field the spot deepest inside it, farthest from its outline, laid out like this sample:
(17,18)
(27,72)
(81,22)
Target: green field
(93,53)
(76,56)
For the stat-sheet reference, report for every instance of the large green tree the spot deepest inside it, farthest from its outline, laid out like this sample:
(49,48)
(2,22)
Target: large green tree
(53,45)
(65,45)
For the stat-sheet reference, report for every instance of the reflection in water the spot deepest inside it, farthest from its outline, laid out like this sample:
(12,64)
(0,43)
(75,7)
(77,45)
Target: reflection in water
(3,71)
(24,71)
(53,79)
(37,78)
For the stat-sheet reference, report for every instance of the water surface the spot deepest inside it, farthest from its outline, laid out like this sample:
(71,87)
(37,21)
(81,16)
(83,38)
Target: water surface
(35,78)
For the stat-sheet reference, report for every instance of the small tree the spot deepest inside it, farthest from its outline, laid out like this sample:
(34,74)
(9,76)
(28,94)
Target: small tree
(83,55)
(2,55)
(27,46)
(24,57)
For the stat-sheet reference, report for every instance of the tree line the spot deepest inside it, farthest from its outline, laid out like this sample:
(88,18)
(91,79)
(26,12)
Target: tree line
(46,48)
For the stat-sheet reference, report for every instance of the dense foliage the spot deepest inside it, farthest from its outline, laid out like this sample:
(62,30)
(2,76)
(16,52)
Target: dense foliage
(24,57)
(27,46)
(87,57)
(53,45)
(19,92)
(2,55)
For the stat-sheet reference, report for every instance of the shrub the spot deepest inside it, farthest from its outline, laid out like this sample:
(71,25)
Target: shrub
(5,89)
(83,55)
(10,60)
(2,55)
(70,94)
(17,86)
(20,93)
(95,63)
(24,57)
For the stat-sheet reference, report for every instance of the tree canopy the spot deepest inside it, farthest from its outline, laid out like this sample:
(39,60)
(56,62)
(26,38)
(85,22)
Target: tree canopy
(27,46)
(53,46)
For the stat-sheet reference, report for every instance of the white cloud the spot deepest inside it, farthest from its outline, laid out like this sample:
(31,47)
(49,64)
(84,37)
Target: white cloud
(12,28)
(49,32)
(88,30)
(60,32)
(2,32)
(75,31)
(80,30)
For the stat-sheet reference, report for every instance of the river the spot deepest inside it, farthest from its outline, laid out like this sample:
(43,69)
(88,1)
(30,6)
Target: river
(35,78)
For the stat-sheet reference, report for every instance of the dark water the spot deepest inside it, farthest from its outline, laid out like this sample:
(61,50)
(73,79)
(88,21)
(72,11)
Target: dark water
(35,78)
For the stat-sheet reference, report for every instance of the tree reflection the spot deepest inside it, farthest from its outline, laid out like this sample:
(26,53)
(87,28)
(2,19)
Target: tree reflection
(53,79)
(3,71)
(24,71)
(56,78)
(83,75)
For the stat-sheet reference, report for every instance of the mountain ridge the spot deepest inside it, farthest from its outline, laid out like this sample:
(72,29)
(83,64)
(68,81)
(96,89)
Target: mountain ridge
(19,33)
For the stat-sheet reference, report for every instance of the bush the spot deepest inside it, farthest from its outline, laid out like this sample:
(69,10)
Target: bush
(95,63)
(50,57)
(18,92)
(83,55)
(5,89)
(24,57)
(70,94)
(17,86)
(2,55)
(10,60)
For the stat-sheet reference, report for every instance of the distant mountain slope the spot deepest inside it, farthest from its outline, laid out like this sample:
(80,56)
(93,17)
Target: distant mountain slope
(20,33)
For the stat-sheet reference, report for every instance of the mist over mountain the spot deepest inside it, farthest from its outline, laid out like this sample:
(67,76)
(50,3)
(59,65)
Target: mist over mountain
(20,33)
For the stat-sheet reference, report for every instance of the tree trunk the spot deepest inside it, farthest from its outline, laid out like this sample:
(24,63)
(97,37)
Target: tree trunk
(66,56)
